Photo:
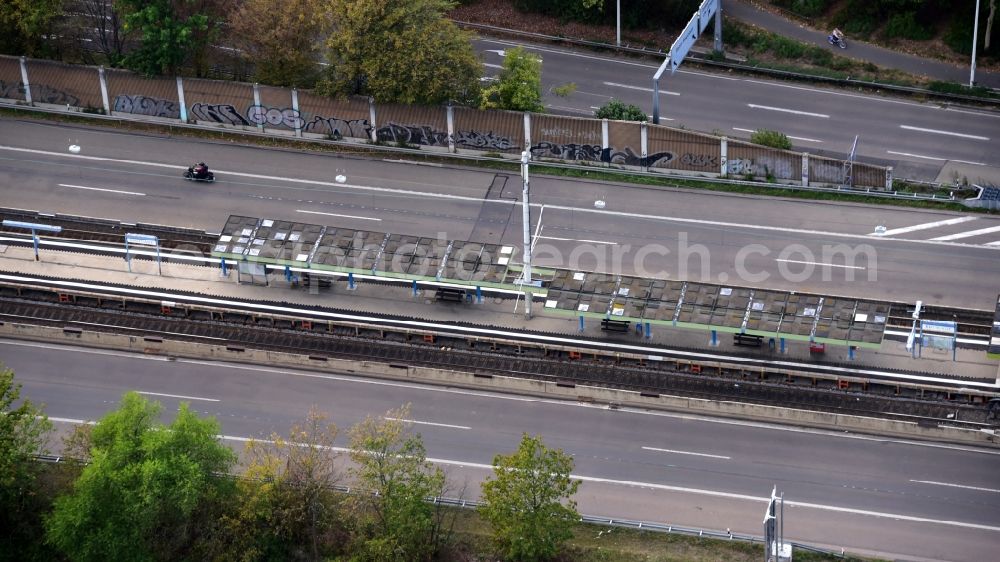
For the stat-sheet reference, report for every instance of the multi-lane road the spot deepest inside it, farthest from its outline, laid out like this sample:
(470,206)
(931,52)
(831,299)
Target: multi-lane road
(827,247)
(918,138)
(893,497)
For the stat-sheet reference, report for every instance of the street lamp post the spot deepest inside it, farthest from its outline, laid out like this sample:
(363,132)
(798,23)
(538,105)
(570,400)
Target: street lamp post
(526,219)
(975,39)
(618,23)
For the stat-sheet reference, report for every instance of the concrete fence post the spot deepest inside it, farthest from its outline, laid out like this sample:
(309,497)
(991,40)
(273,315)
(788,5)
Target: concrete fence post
(371,117)
(888,178)
(805,169)
(527,131)
(261,114)
(644,144)
(295,108)
(450,117)
(724,156)
(180,100)
(24,80)
(605,137)
(104,89)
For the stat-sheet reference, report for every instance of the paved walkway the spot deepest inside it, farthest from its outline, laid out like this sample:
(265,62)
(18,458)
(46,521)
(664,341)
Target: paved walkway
(400,300)
(937,70)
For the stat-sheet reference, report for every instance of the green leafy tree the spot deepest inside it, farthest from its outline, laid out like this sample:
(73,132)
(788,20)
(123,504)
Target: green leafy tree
(23,22)
(527,501)
(620,111)
(284,46)
(402,51)
(519,86)
(397,523)
(23,433)
(150,492)
(287,507)
(774,139)
(171,32)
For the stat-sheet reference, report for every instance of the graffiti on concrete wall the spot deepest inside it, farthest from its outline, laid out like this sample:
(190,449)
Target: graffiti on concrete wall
(337,128)
(222,113)
(700,160)
(762,166)
(43,93)
(411,134)
(595,153)
(144,105)
(11,90)
(475,139)
(275,116)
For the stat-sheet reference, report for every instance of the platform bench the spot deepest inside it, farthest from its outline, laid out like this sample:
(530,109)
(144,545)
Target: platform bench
(748,340)
(609,325)
(450,295)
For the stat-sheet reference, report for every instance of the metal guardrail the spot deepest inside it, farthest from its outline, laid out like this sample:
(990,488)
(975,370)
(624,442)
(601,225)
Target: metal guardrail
(702,59)
(868,192)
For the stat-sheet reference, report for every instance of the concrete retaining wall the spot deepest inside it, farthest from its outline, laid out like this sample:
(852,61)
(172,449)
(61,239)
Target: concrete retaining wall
(605,396)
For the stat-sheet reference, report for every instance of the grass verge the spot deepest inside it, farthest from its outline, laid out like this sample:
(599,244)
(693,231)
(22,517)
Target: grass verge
(596,174)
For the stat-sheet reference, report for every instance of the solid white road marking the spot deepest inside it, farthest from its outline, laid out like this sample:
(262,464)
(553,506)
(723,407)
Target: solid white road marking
(997,243)
(789,136)
(819,263)
(934,158)
(578,240)
(103,189)
(968,234)
(977,488)
(177,396)
(336,215)
(939,132)
(640,88)
(487,65)
(686,453)
(429,423)
(783,110)
(923,226)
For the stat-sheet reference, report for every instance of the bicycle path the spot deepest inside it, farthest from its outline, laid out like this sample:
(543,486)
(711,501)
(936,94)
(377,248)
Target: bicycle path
(937,70)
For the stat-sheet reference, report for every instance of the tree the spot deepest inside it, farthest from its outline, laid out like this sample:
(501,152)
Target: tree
(171,32)
(402,51)
(397,522)
(287,507)
(24,22)
(150,492)
(24,430)
(285,46)
(620,111)
(774,139)
(519,86)
(524,501)
(99,24)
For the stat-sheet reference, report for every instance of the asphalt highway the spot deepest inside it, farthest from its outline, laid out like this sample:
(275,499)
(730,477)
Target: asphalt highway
(898,498)
(915,137)
(939,257)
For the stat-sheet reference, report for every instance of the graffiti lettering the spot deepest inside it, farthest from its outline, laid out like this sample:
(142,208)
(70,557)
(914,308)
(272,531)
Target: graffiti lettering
(700,160)
(12,90)
(475,139)
(763,166)
(411,134)
(144,105)
(262,115)
(594,153)
(41,93)
(338,128)
(220,113)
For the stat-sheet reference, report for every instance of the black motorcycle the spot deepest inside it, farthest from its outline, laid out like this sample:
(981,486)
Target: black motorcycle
(191,175)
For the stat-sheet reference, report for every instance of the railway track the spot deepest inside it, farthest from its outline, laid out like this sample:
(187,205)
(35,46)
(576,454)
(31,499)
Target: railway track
(397,346)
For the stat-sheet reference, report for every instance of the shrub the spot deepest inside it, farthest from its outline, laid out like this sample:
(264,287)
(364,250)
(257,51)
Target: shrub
(620,111)
(808,8)
(788,48)
(906,26)
(774,139)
